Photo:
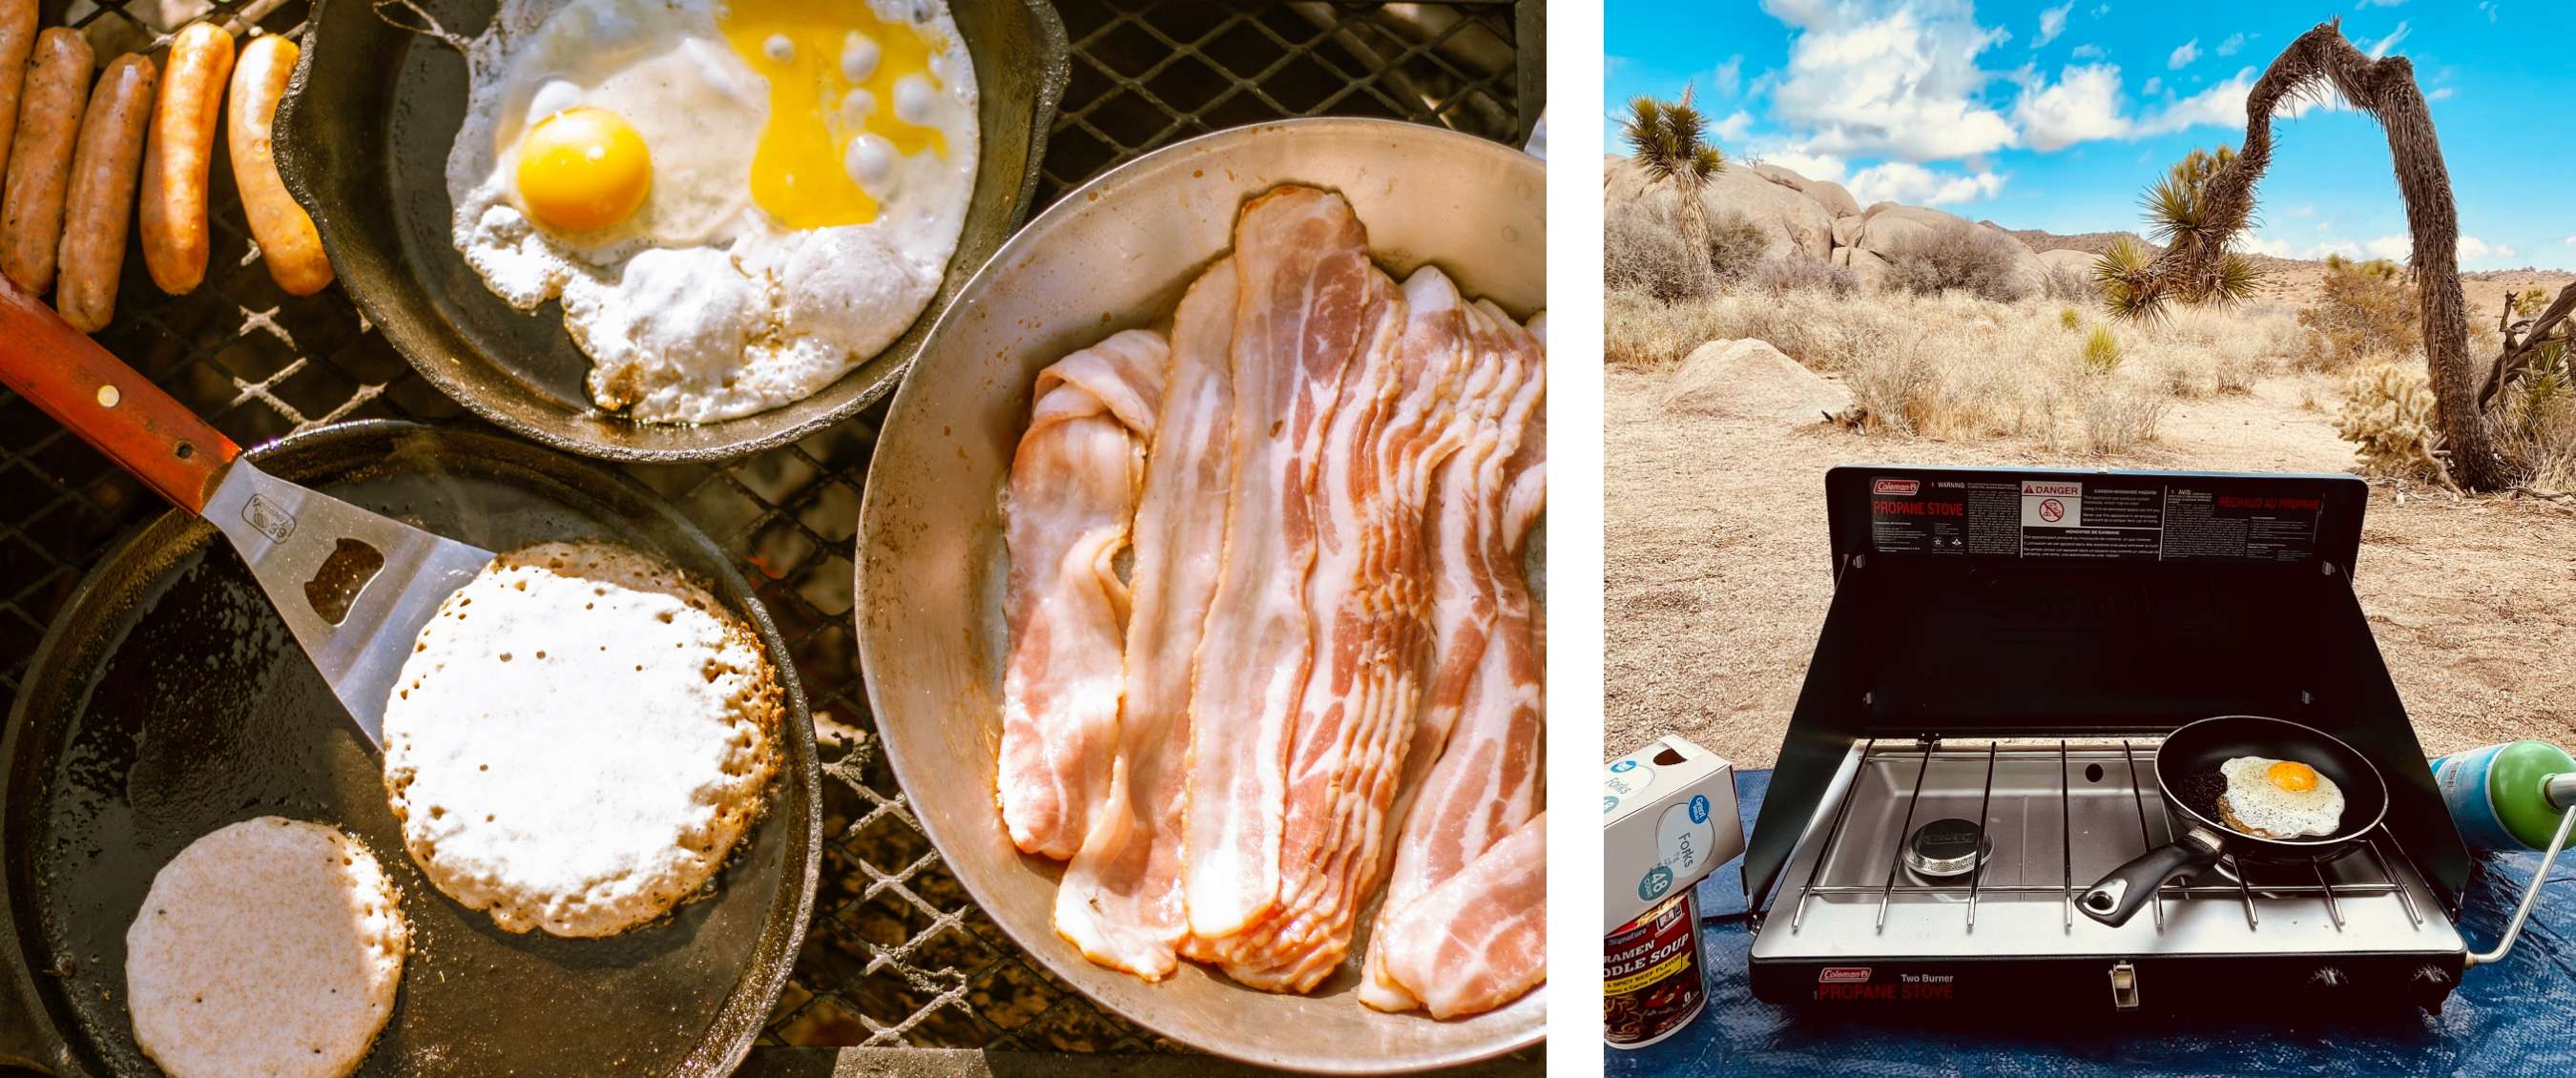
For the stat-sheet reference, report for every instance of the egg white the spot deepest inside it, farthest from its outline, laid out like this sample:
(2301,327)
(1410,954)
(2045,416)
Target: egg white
(2256,802)
(700,308)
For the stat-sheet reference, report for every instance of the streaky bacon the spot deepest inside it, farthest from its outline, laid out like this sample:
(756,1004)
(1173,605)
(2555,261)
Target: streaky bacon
(1120,901)
(1072,497)
(1307,303)
(1372,596)
(1487,701)
(1478,940)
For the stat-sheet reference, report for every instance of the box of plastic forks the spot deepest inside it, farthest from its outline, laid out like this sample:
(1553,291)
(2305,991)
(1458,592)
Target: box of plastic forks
(1667,818)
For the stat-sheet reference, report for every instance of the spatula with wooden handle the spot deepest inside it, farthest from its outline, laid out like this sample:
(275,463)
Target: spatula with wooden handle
(354,586)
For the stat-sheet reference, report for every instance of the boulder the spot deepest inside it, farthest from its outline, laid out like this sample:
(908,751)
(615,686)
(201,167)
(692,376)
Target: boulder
(1876,208)
(1847,231)
(1835,198)
(1868,268)
(1792,224)
(1889,227)
(1842,256)
(1749,378)
(2028,270)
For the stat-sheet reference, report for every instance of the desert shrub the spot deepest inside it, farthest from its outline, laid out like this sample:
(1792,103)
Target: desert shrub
(2117,418)
(2067,318)
(2388,417)
(2363,311)
(2070,284)
(2101,350)
(1798,273)
(2531,302)
(1642,249)
(2539,421)
(1893,384)
(1958,256)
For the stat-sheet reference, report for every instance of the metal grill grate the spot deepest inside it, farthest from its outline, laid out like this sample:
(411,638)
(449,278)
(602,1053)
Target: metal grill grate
(897,954)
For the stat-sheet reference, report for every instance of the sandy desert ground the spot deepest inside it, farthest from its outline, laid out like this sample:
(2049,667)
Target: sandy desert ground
(1717,581)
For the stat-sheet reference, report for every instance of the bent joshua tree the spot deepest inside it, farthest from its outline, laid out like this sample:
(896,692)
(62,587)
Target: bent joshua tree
(2385,90)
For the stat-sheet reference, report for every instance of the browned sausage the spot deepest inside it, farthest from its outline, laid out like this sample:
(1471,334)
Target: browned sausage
(40,158)
(173,213)
(17,38)
(101,205)
(287,241)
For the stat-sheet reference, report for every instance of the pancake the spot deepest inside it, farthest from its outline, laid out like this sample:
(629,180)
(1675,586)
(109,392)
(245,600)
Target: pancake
(269,947)
(578,739)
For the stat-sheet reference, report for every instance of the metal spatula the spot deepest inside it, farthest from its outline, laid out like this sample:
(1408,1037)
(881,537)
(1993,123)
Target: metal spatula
(354,586)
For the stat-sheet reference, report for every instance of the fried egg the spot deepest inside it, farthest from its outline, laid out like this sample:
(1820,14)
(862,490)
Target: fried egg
(736,201)
(2279,798)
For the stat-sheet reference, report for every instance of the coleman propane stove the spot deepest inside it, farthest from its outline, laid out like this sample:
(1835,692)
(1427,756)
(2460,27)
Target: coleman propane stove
(1975,747)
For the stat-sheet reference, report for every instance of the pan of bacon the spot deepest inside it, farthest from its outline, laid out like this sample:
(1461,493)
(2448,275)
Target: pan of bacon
(1198,593)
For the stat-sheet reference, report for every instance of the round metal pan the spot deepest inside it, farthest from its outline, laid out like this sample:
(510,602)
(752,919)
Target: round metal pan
(2187,775)
(362,141)
(1117,254)
(168,700)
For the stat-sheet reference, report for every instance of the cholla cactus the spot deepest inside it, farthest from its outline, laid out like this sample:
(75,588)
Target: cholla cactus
(2388,417)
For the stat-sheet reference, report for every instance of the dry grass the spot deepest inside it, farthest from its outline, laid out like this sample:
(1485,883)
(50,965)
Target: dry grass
(1955,366)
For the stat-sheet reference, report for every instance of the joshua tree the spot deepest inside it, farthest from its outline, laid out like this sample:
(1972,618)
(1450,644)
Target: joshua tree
(2321,61)
(1670,142)
(2179,214)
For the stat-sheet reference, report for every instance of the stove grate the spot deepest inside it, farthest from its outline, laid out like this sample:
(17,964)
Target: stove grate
(2241,885)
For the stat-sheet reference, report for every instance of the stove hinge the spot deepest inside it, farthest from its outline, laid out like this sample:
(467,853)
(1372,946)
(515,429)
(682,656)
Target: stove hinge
(2124,985)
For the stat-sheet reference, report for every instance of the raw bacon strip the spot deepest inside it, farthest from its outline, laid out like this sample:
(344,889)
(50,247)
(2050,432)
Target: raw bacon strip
(1488,698)
(1309,299)
(1121,900)
(1482,933)
(1371,594)
(1072,496)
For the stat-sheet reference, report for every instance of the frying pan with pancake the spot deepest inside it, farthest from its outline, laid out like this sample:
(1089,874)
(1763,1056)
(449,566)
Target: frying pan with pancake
(168,700)
(2187,775)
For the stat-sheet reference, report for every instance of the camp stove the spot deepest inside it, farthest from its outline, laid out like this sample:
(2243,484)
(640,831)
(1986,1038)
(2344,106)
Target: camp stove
(1975,746)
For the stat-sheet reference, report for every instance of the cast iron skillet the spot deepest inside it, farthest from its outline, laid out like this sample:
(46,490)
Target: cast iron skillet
(362,141)
(168,700)
(2188,777)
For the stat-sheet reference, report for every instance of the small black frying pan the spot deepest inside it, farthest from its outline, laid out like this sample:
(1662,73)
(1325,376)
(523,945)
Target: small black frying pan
(2187,775)
(168,700)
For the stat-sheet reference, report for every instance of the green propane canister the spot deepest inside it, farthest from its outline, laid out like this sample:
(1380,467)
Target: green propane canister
(2500,797)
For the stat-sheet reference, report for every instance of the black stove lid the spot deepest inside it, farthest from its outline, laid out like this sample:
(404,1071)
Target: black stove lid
(2044,602)
(2068,516)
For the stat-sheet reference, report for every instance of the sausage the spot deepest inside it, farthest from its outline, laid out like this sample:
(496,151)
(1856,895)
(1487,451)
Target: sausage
(101,204)
(182,146)
(17,38)
(40,157)
(287,241)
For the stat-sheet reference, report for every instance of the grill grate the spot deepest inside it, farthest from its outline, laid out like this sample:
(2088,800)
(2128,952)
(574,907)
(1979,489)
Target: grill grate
(897,954)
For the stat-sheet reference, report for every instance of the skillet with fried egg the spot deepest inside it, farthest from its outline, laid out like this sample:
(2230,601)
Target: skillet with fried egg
(2193,772)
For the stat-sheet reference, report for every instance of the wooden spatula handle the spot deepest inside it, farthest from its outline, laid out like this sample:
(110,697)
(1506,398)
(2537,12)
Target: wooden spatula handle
(107,403)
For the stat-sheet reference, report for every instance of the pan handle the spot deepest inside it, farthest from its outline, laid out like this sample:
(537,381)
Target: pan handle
(110,405)
(2128,889)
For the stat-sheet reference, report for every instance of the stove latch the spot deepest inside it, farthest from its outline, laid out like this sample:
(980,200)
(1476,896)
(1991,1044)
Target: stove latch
(2124,985)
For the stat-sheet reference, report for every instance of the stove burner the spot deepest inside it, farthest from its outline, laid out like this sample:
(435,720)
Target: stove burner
(1947,849)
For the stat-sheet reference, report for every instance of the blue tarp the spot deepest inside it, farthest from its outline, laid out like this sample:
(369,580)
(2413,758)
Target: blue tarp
(2514,1018)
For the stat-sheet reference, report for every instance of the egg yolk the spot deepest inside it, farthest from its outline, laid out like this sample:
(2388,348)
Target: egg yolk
(837,74)
(583,169)
(2291,775)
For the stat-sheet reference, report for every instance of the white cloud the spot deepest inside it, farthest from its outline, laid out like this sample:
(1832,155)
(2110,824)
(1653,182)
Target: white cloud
(1903,83)
(2398,248)
(2222,105)
(1729,77)
(2084,104)
(2383,3)
(2052,22)
(2184,54)
(2089,51)
(2439,93)
(2489,7)
(2233,43)
(2101,11)
(2391,41)
(2570,239)
(1734,127)
(2392,248)
(2155,84)
(1912,184)
(2472,247)
(2346,248)
(1814,166)
(2271,245)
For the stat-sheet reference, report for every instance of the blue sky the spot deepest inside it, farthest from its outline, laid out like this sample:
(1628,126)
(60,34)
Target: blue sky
(2055,115)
